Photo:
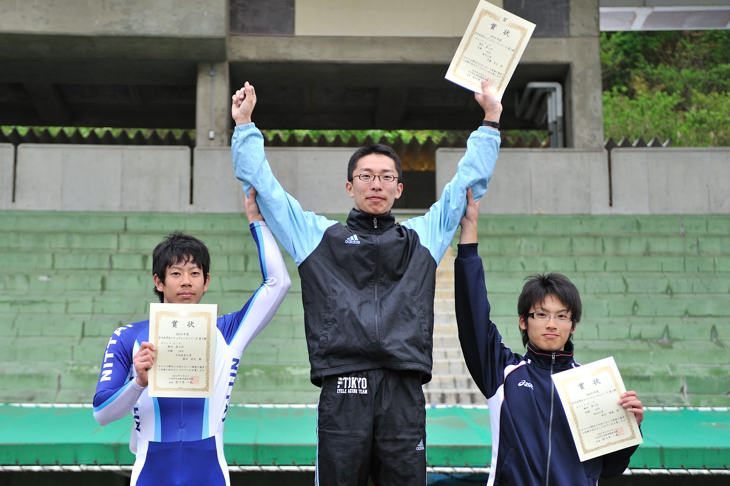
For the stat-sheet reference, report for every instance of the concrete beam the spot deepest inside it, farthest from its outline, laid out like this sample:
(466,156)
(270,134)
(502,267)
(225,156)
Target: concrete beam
(23,47)
(349,50)
(131,18)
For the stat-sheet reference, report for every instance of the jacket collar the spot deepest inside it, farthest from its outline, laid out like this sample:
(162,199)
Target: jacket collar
(359,220)
(563,359)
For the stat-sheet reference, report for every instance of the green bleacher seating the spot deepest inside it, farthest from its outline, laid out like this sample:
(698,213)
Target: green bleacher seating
(72,278)
(655,292)
(655,289)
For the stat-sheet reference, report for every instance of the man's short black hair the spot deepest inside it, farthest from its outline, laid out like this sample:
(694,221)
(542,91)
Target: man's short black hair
(538,287)
(377,148)
(179,248)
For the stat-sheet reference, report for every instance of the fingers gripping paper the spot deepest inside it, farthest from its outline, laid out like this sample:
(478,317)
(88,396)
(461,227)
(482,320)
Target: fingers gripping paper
(590,396)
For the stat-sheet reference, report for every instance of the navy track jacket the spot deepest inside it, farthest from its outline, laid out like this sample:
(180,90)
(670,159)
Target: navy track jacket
(531,440)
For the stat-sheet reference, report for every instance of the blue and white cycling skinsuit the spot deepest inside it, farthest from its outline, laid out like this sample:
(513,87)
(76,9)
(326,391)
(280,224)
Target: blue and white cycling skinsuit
(180,440)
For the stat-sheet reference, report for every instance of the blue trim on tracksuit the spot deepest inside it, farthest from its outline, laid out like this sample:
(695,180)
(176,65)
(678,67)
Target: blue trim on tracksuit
(531,439)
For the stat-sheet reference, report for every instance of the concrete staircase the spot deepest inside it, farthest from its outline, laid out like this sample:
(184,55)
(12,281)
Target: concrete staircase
(451,383)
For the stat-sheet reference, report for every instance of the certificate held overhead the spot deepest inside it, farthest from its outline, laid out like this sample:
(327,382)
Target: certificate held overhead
(490,49)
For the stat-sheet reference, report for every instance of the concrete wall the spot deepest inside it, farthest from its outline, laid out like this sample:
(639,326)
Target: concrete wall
(526,181)
(7,151)
(315,177)
(102,178)
(671,180)
(188,18)
(533,181)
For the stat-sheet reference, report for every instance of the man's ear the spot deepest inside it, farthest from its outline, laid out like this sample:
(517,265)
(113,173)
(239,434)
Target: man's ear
(348,189)
(523,324)
(399,190)
(159,285)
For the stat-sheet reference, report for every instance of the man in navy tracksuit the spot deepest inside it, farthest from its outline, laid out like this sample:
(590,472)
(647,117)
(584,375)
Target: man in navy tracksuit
(367,292)
(531,440)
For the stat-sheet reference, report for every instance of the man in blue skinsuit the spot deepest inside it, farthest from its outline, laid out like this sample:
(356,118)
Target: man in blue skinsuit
(179,441)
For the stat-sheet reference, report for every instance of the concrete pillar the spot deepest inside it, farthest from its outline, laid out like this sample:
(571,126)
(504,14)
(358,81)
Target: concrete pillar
(213,105)
(584,110)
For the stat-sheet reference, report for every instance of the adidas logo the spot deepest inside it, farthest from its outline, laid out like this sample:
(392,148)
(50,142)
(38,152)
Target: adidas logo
(420,447)
(352,240)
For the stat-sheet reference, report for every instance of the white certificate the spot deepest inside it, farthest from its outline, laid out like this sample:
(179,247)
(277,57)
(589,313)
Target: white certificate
(590,396)
(490,49)
(184,335)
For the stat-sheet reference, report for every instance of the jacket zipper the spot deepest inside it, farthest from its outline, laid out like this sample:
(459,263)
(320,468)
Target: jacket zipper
(550,423)
(375,280)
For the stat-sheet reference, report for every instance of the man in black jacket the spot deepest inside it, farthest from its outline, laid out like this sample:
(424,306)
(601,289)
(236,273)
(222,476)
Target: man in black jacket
(367,291)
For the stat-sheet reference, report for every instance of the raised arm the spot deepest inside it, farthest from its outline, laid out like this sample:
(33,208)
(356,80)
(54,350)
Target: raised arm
(240,328)
(437,227)
(481,343)
(297,230)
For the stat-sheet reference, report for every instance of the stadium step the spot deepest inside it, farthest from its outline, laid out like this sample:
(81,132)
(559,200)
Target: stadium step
(655,289)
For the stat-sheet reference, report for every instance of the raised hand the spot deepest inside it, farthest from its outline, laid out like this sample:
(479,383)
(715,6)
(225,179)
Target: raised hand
(470,220)
(243,102)
(252,209)
(487,99)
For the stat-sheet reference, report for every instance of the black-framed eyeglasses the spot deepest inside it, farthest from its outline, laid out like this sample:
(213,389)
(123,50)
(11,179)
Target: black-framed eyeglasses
(545,317)
(387,178)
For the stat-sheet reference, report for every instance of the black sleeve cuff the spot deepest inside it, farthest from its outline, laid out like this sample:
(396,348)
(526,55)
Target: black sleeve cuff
(467,250)
(489,123)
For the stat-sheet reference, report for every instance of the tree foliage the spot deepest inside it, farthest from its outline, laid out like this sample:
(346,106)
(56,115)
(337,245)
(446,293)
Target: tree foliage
(671,85)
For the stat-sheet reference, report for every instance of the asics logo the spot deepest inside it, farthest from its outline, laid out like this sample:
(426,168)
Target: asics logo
(352,240)
(526,383)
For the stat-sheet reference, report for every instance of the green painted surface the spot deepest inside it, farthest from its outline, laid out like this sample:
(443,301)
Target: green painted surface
(655,291)
(683,438)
